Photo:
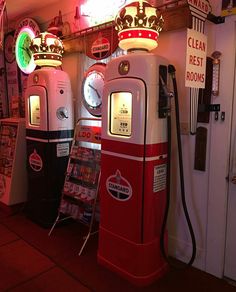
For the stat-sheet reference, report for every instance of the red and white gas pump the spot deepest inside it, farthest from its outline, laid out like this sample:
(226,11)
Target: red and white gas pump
(135,151)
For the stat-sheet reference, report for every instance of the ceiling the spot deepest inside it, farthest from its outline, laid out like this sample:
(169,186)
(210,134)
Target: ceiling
(18,8)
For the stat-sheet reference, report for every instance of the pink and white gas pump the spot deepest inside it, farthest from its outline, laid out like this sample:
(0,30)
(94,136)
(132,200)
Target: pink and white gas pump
(134,150)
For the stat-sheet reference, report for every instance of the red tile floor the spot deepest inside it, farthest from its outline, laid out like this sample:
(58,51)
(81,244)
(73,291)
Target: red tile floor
(30,260)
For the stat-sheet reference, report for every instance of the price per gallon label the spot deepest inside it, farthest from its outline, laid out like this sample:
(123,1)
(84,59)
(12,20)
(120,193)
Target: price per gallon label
(63,149)
(159,181)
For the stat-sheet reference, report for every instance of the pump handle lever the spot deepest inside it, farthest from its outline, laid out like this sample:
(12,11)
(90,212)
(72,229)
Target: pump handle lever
(62,113)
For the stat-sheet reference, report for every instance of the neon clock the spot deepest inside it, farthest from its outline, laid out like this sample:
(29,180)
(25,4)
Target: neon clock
(27,30)
(92,87)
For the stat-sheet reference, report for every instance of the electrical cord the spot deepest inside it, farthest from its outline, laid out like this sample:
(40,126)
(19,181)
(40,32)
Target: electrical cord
(171,71)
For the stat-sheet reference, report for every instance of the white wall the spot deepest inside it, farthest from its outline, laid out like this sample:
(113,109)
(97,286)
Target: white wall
(206,192)
(220,150)
(172,45)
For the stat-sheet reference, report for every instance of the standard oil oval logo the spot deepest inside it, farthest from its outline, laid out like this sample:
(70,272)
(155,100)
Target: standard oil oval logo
(118,187)
(35,161)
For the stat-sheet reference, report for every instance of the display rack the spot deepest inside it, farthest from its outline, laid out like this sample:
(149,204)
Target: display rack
(13,177)
(79,199)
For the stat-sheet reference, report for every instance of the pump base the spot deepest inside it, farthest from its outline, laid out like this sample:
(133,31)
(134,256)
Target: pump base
(141,264)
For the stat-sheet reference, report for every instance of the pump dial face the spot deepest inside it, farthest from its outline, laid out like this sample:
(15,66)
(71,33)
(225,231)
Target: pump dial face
(92,88)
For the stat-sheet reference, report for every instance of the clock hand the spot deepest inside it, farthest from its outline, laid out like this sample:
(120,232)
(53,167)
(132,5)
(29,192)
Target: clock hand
(91,86)
(27,51)
(94,90)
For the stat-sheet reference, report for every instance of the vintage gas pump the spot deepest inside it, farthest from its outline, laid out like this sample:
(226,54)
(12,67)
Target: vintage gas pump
(49,129)
(135,151)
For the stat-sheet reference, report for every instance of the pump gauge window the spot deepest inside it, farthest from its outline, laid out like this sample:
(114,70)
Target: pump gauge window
(92,88)
(34,109)
(121,113)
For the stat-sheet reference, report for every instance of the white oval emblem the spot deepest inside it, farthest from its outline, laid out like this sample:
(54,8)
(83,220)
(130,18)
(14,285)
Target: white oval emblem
(35,161)
(118,187)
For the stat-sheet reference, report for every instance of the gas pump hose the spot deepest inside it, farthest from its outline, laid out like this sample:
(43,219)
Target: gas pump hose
(171,71)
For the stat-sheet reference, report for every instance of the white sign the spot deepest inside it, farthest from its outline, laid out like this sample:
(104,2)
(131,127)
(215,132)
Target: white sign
(202,5)
(35,161)
(101,11)
(159,182)
(63,149)
(118,187)
(195,74)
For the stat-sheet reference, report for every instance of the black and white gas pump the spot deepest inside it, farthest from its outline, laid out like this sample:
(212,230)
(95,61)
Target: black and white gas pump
(49,129)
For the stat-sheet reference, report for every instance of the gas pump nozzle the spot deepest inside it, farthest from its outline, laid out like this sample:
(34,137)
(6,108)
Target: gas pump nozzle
(164,99)
(164,87)
(171,71)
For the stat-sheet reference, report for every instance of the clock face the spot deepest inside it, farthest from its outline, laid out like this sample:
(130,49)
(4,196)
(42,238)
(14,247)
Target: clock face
(8,48)
(24,56)
(92,89)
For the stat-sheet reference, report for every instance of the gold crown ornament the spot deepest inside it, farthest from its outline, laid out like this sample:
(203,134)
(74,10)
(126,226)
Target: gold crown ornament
(138,25)
(47,50)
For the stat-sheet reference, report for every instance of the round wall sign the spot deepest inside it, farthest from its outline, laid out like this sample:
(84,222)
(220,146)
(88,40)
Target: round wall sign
(8,48)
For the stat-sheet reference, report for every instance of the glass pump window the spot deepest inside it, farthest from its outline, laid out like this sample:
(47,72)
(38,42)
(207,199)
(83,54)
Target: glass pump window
(121,113)
(34,110)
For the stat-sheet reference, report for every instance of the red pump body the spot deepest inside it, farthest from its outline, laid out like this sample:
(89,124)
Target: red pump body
(133,168)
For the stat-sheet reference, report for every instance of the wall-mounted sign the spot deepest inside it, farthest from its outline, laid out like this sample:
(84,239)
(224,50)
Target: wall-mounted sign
(101,45)
(100,11)
(195,59)
(196,50)
(12,70)
(91,134)
(201,5)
